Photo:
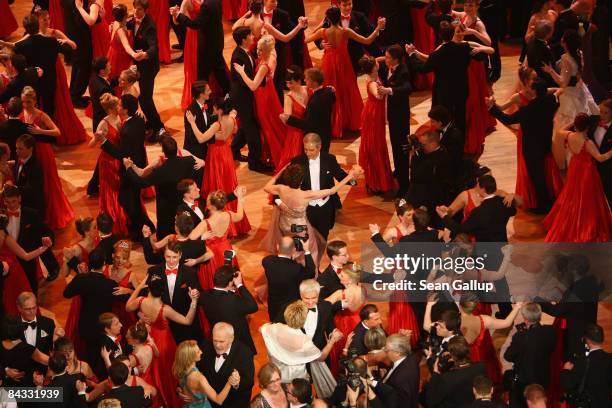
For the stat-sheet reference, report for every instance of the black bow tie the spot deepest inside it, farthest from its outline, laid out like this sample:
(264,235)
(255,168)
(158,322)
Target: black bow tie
(313,309)
(32,324)
(223,355)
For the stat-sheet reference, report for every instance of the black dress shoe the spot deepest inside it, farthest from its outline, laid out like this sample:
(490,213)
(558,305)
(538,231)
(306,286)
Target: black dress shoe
(241,158)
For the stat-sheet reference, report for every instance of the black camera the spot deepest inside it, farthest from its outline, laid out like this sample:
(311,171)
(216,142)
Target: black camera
(352,378)
(228,256)
(433,340)
(298,229)
(3,221)
(298,241)
(445,362)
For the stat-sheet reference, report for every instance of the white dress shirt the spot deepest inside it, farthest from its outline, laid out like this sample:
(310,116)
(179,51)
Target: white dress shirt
(599,134)
(310,325)
(220,360)
(13,226)
(345,21)
(30,333)
(171,281)
(314,168)
(196,210)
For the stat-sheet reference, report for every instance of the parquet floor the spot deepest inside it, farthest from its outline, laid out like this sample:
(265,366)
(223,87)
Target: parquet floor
(76,163)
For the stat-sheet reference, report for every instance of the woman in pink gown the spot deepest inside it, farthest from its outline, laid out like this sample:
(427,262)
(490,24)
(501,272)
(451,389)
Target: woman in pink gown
(335,61)
(94,16)
(8,23)
(155,311)
(373,153)
(71,127)
(581,212)
(158,10)
(120,51)
(58,211)
(190,56)
(108,129)
(296,101)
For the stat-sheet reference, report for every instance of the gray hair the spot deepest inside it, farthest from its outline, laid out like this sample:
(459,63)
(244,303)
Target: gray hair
(312,138)
(225,328)
(532,312)
(310,285)
(399,343)
(542,29)
(24,297)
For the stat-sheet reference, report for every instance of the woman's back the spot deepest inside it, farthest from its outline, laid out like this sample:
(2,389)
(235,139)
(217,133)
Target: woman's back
(471,327)
(334,36)
(190,381)
(227,125)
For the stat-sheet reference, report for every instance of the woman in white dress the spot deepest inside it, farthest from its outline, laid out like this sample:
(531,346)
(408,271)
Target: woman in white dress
(576,97)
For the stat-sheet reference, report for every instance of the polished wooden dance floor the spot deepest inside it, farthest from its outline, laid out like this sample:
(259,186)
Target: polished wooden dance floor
(76,163)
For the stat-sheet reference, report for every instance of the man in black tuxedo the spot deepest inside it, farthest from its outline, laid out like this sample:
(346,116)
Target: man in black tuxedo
(13,127)
(399,23)
(28,174)
(165,179)
(318,116)
(536,120)
(107,340)
(78,31)
(129,396)
(337,252)
(199,107)
(530,351)
(227,354)
(280,20)
(192,203)
(370,318)
(284,275)
(107,239)
(230,301)
(449,64)
(539,52)
(26,76)
(178,279)
(601,134)
(96,292)
(242,98)
(396,84)
(453,388)
(210,41)
(453,140)
(147,61)
(60,378)
(131,144)
(483,394)
(492,14)
(435,15)
(594,369)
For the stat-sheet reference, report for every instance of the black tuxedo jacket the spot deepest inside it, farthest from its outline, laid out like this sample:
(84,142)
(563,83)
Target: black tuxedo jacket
(102,340)
(10,130)
(130,397)
(598,377)
(97,87)
(567,20)
(192,249)
(146,39)
(398,104)
(538,54)
(232,308)
(29,77)
(284,276)
(239,358)
(330,171)
(30,183)
(184,208)
(32,229)
(71,398)
(485,404)
(405,380)
(530,352)
(605,168)
(241,95)
(107,244)
(325,321)
(487,221)
(449,64)
(167,198)
(318,116)
(203,120)
(131,142)
(44,334)
(282,22)
(330,281)
(41,51)
(434,18)
(360,332)
(453,388)
(453,140)
(186,278)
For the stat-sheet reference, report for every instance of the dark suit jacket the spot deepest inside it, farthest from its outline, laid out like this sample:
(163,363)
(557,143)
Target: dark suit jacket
(453,388)
(330,281)
(358,339)
(239,358)
(232,308)
(131,142)
(325,321)
(282,22)
(29,77)
(453,140)
(30,183)
(191,142)
(434,18)
(107,244)
(487,221)
(102,340)
(32,229)
(146,39)
(130,397)
(330,171)
(192,249)
(598,381)
(97,87)
(405,380)
(430,179)
(318,116)
(10,130)
(566,20)
(41,51)
(284,276)
(398,104)
(71,399)
(240,93)
(538,54)
(605,168)
(530,352)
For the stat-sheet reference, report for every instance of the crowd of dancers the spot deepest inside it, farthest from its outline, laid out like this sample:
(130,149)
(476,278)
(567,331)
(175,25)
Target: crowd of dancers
(179,333)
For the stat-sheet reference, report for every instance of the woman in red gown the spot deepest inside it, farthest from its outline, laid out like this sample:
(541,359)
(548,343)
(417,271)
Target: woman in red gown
(120,272)
(424,39)
(8,23)
(120,51)
(335,61)
(109,167)
(94,16)
(233,9)
(295,105)
(581,212)
(57,15)
(190,64)
(155,311)
(373,153)
(58,211)
(71,127)
(158,10)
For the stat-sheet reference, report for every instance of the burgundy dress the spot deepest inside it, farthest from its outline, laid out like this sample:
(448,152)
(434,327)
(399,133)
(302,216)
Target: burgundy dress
(190,56)
(348,98)
(56,14)
(71,127)
(58,211)
(581,212)
(15,282)
(126,318)
(482,349)
(234,9)
(100,36)
(158,10)
(424,40)
(268,108)
(119,59)
(8,23)
(373,153)
(293,144)
(110,183)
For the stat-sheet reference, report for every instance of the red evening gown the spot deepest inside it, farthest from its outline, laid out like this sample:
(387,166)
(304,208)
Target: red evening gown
(218,245)
(119,59)
(71,127)
(161,367)
(234,9)
(348,98)
(482,349)
(424,40)
(108,16)
(110,183)
(268,108)
(74,313)
(293,145)
(190,56)
(56,14)
(128,319)
(100,36)
(581,212)
(373,153)
(8,23)
(15,282)
(401,316)
(220,175)
(345,321)
(58,211)
(158,10)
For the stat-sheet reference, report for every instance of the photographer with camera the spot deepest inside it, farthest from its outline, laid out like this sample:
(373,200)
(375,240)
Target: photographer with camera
(447,327)
(453,375)
(587,379)
(530,351)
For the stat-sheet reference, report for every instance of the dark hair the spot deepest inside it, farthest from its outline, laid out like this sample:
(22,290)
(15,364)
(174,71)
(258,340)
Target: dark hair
(63,344)
(12,328)
(366,311)
(524,73)
(27,140)
(169,147)
(184,224)
(396,52)
(537,6)
(595,333)
(293,176)
(487,183)
(255,6)
(581,122)
(223,276)
(315,75)
(139,332)
(482,385)
(14,106)
(540,87)
(223,104)
(96,259)
(440,114)
(57,363)
(142,3)
(83,225)
(174,246)
(332,14)
(564,3)
(420,218)
(105,223)
(198,87)
(452,320)
(118,372)
(573,43)
(459,349)
(156,286)
(481,171)
(130,104)
(19,62)
(301,390)
(119,12)
(445,6)
(240,34)
(447,31)
(30,24)
(217,199)
(367,64)
(294,73)
(98,64)
(334,247)
(402,207)
(11,191)
(184,186)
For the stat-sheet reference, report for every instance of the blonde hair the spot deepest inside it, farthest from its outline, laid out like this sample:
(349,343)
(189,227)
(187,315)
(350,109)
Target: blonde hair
(295,314)
(265,44)
(186,355)
(123,247)
(353,274)
(108,101)
(28,92)
(109,403)
(265,374)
